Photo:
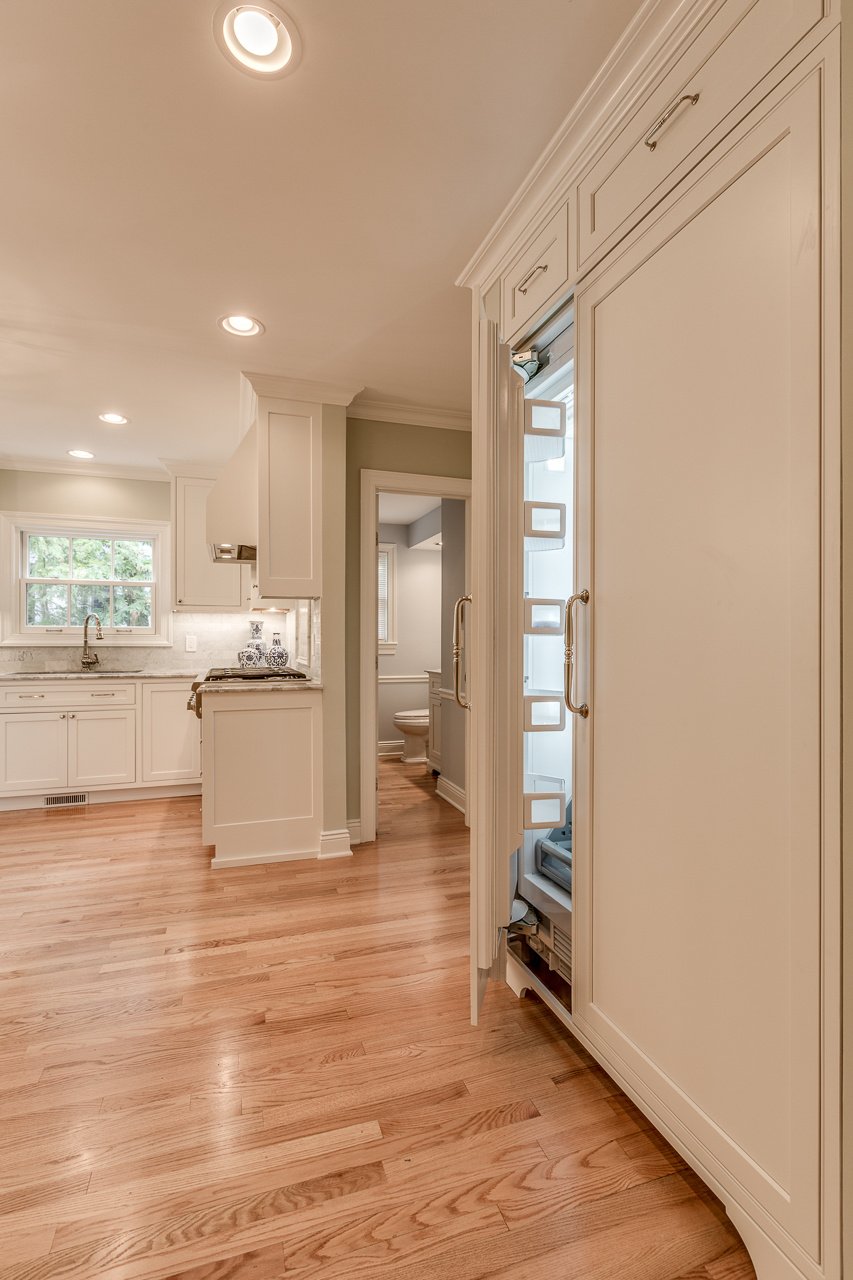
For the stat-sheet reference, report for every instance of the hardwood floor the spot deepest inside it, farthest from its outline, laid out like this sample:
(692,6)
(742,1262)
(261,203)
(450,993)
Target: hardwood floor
(268,1072)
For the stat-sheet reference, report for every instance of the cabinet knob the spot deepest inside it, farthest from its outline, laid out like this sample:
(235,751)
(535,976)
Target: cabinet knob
(180,602)
(72,716)
(62,717)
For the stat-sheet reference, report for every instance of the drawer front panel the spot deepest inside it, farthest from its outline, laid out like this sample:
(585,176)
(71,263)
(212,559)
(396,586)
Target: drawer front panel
(743,43)
(541,271)
(72,693)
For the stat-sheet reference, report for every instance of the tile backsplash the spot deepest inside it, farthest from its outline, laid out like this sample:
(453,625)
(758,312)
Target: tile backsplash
(219,638)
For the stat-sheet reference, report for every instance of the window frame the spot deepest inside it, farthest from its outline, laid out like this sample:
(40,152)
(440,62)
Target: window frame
(389,644)
(15,526)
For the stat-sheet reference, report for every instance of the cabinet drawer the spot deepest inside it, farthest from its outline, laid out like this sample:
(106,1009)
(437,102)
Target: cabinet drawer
(742,43)
(540,272)
(73,693)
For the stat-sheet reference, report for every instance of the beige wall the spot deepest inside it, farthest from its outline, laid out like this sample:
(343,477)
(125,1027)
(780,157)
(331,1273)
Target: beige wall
(383,446)
(61,493)
(847,612)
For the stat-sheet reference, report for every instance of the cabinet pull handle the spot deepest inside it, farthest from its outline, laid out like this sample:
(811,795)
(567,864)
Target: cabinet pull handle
(650,139)
(458,608)
(569,664)
(525,283)
(30,695)
(104,695)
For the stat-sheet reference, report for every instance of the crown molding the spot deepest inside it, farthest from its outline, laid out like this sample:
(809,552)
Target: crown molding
(272,387)
(104,470)
(649,45)
(409,415)
(192,470)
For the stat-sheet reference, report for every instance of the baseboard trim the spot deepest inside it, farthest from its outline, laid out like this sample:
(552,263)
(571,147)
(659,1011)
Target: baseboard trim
(394,748)
(354,828)
(451,793)
(335,844)
(258,859)
(121,795)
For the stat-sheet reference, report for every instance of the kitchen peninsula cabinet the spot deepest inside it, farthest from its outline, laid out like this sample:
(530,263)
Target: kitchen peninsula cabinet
(262,794)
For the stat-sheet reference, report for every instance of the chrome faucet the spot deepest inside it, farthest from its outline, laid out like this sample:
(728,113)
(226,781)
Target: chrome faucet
(90,659)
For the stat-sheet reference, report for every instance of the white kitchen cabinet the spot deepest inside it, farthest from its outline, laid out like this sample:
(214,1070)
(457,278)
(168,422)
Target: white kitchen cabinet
(701,932)
(290,500)
(33,751)
(201,584)
(101,747)
(171,739)
(700,831)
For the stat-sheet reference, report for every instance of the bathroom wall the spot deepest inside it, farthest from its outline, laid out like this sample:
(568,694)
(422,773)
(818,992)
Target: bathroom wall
(218,636)
(452,587)
(383,446)
(402,678)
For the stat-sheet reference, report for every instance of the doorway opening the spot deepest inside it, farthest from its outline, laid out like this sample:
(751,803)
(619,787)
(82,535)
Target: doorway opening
(414,569)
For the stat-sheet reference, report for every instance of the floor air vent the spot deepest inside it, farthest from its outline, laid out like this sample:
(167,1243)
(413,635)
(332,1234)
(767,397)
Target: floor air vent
(53,802)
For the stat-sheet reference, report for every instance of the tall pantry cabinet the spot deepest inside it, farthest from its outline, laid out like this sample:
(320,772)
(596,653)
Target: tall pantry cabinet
(689,211)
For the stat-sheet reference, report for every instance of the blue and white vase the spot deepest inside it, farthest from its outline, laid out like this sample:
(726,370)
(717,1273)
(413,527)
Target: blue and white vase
(277,655)
(254,654)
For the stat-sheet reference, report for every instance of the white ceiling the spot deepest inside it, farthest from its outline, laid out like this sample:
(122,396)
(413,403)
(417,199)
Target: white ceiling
(151,187)
(404,508)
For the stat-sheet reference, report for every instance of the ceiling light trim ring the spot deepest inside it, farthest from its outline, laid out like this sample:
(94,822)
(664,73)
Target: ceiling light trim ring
(252,329)
(280,61)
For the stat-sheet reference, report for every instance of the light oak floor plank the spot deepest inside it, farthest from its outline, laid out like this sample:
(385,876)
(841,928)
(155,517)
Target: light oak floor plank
(266,1071)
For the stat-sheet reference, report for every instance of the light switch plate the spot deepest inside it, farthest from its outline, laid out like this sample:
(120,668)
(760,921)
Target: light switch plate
(191,643)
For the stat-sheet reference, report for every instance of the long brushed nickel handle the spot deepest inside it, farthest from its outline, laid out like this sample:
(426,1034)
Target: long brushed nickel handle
(569,663)
(457,652)
(650,139)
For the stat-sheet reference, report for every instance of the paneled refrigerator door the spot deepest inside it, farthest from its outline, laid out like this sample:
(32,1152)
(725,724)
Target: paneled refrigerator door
(494,670)
(707,850)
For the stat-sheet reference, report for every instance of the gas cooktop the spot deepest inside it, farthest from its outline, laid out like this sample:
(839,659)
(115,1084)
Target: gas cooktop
(255,673)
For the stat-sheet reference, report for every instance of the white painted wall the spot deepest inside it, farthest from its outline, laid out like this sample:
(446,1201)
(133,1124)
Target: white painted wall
(418,631)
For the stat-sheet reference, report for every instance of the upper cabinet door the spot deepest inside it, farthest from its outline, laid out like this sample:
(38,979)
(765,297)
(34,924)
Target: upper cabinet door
(539,275)
(706,834)
(290,514)
(200,583)
(715,83)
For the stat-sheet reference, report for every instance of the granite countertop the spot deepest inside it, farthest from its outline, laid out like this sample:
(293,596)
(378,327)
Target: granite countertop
(98,674)
(259,686)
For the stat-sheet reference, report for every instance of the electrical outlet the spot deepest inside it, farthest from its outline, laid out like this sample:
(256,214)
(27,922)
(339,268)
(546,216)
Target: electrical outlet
(191,643)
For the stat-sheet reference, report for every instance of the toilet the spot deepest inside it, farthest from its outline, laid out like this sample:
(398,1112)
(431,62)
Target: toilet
(414,726)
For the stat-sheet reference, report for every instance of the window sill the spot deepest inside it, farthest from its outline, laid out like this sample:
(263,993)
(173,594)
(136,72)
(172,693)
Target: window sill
(387,648)
(21,640)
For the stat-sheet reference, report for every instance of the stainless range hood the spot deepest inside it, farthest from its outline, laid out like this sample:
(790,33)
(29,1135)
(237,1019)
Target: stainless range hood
(232,508)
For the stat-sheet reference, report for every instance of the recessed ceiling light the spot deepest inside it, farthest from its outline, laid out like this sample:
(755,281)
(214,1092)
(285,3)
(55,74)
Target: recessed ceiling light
(114,419)
(260,38)
(241,326)
(80,453)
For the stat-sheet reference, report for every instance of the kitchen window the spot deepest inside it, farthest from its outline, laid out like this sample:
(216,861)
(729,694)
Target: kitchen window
(65,569)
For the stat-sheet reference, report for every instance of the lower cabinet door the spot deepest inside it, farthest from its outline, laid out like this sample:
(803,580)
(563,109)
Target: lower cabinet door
(101,747)
(33,753)
(171,735)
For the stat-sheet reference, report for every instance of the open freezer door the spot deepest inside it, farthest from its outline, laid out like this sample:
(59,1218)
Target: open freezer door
(495,657)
